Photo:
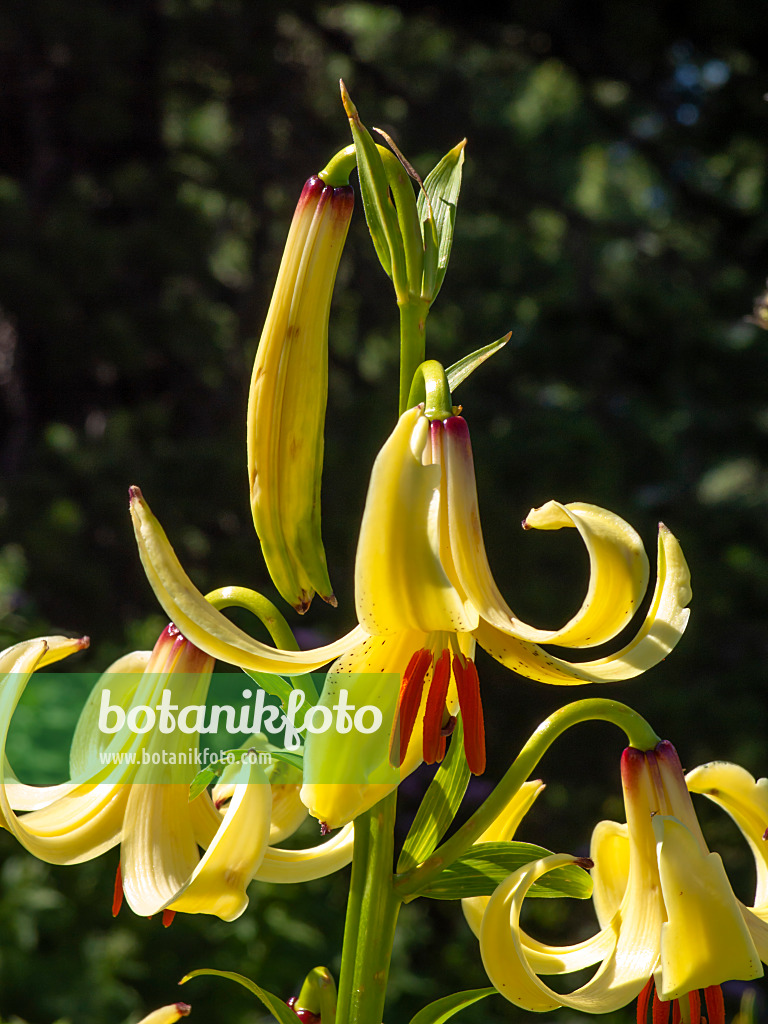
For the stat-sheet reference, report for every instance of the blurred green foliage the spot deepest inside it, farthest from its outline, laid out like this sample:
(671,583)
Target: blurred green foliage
(613,216)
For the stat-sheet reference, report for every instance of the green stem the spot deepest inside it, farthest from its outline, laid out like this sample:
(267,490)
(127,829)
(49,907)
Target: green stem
(413,334)
(637,730)
(372,912)
(261,607)
(338,169)
(430,386)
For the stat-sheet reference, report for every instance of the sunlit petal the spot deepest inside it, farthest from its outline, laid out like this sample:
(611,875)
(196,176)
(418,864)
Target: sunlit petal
(609,851)
(302,865)
(705,940)
(217,884)
(746,800)
(204,625)
(400,582)
(664,624)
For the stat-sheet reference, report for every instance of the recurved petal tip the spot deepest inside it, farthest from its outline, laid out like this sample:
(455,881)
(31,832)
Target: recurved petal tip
(134,494)
(167,1014)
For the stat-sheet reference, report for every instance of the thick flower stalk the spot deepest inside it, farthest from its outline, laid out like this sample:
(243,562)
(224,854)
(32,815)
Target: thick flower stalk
(132,789)
(663,901)
(289,388)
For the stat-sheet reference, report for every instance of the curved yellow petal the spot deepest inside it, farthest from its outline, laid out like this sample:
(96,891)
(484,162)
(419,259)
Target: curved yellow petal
(618,564)
(88,742)
(158,852)
(609,852)
(218,883)
(86,820)
(746,801)
(705,940)
(203,624)
(302,865)
(503,828)
(400,582)
(662,628)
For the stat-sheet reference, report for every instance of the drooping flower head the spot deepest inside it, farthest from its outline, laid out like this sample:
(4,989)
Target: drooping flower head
(666,909)
(133,788)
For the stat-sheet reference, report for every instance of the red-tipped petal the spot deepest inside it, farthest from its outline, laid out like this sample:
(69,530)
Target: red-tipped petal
(468,687)
(715,1006)
(408,702)
(433,716)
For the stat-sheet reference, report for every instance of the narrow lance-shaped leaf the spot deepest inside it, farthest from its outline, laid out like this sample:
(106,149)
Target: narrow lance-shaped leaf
(443,1009)
(464,367)
(439,806)
(407,217)
(479,871)
(279,1010)
(442,186)
(379,211)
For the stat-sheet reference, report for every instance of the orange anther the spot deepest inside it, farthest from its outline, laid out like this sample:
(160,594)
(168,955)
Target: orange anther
(468,687)
(433,716)
(117,897)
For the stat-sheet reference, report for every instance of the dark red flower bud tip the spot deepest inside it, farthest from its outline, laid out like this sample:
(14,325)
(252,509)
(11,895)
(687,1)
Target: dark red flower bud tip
(134,493)
(525,525)
(304,1015)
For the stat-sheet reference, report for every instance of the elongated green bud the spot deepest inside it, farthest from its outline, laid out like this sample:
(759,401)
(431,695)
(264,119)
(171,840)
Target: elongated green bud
(289,389)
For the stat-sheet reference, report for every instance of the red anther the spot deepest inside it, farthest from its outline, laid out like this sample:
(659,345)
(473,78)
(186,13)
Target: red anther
(433,716)
(117,897)
(168,916)
(713,997)
(660,1010)
(694,1002)
(676,1011)
(468,687)
(643,1000)
(408,702)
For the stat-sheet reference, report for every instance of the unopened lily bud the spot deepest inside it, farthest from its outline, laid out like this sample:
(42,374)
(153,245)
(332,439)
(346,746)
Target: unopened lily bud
(167,1014)
(289,388)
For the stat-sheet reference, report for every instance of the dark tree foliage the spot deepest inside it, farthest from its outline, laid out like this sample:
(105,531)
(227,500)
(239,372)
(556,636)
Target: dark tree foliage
(613,216)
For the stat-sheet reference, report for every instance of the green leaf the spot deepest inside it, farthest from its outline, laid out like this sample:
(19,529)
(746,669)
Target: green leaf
(274,685)
(442,186)
(379,211)
(276,1006)
(462,369)
(443,1009)
(439,806)
(209,774)
(479,871)
(407,217)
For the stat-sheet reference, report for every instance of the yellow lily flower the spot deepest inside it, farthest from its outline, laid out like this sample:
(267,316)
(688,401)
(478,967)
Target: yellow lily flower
(427,569)
(664,904)
(141,799)
(422,580)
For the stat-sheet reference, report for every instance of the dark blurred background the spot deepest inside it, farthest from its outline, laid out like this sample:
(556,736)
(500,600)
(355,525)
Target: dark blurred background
(613,216)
